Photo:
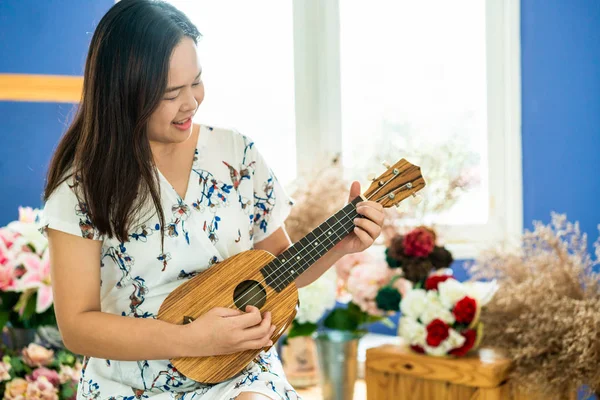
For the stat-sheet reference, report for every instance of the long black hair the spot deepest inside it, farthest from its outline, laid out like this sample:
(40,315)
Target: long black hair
(107,145)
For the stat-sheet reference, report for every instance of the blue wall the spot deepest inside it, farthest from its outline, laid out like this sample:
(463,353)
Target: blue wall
(47,37)
(38,37)
(560,55)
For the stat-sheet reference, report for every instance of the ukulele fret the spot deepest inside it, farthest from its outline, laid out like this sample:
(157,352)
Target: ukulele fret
(290,264)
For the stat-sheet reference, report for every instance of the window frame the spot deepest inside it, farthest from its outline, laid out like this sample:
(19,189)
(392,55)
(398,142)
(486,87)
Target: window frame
(319,121)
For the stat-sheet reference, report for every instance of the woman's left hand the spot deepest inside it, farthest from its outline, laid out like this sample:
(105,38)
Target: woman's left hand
(367,229)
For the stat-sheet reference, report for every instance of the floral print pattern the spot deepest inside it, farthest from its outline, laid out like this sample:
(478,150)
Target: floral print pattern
(233,201)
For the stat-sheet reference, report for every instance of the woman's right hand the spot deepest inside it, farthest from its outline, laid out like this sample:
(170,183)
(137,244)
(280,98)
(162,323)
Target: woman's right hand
(227,330)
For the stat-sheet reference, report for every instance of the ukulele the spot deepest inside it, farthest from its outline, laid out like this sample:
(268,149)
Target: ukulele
(260,279)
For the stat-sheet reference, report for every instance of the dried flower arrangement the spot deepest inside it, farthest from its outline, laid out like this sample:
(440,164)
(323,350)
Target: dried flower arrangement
(546,314)
(317,196)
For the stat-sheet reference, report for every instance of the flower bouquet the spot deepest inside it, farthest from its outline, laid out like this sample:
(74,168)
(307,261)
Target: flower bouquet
(442,317)
(37,373)
(417,255)
(362,277)
(25,288)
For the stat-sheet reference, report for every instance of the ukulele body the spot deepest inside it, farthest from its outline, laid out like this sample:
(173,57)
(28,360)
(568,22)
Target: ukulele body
(237,279)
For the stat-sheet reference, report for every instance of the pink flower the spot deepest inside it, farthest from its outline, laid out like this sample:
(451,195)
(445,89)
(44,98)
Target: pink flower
(403,286)
(8,237)
(345,264)
(4,371)
(48,373)
(41,389)
(35,355)
(27,214)
(16,389)
(68,374)
(364,282)
(33,272)
(6,268)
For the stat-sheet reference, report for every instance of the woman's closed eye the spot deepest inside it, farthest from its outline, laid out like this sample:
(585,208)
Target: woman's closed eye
(177,95)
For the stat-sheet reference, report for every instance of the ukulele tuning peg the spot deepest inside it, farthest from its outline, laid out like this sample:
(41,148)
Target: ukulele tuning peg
(371,177)
(416,198)
(386,164)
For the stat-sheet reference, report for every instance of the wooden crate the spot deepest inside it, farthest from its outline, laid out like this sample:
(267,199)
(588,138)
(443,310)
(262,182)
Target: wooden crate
(396,373)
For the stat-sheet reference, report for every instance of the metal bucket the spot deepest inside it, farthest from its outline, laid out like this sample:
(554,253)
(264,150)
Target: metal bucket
(338,363)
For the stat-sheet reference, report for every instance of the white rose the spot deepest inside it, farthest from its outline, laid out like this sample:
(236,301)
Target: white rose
(451,291)
(482,292)
(318,297)
(412,331)
(435,310)
(455,339)
(414,303)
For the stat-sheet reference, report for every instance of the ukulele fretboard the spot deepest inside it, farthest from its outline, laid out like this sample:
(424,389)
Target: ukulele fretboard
(297,258)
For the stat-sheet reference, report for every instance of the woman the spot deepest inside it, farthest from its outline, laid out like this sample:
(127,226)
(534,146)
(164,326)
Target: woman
(139,199)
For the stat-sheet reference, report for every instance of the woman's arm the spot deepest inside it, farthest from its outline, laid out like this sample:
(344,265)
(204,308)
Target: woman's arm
(85,329)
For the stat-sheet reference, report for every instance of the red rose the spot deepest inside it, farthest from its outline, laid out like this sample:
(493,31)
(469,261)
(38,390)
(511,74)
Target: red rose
(417,349)
(434,280)
(470,336)
(419,242)
(464,311)
(437,332)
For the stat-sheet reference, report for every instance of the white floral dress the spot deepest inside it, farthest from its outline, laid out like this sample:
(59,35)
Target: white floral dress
(233,200)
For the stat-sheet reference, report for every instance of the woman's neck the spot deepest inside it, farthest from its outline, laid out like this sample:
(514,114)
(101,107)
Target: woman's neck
(165,152)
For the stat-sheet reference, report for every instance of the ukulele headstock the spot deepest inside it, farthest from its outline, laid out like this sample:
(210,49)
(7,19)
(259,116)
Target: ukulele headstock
(398,182)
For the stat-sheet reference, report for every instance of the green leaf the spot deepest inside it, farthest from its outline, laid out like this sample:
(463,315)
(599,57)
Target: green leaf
(17,365)
(304,329)
(343,319)
(67,390)
(30,307)
(4,318)
(65,358)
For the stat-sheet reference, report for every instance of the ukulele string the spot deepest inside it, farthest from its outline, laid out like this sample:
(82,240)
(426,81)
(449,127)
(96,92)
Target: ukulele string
(342,220)
(249,301)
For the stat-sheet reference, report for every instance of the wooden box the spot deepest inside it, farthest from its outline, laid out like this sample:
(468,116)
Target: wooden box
(396,373)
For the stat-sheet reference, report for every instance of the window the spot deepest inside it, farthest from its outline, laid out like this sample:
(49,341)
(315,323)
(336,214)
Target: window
(247,59)
(414,81)
(313,78)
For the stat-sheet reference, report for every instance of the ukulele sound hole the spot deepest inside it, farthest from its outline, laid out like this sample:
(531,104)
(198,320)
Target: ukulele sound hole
(249,293)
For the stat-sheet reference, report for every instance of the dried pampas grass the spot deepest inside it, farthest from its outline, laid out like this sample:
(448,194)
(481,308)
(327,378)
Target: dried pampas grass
(317,194)
(546,314)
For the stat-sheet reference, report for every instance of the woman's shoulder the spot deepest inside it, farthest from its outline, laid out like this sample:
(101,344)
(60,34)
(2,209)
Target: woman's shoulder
(66,210)
(227,135)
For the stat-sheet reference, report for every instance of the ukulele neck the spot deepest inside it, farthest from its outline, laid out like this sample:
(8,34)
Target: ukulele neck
(290,264)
